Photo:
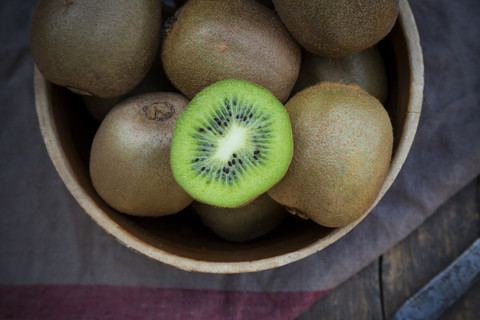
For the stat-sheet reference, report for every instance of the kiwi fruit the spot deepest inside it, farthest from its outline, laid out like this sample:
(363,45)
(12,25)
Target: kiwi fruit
(130,156)
(154,81)
(255,219)
(337,28)
(101,48)
(210,40)
(99,107)
(231,144)
(364,68)
(342,150)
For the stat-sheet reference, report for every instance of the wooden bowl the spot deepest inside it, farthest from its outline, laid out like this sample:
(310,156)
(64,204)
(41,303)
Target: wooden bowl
(181,240)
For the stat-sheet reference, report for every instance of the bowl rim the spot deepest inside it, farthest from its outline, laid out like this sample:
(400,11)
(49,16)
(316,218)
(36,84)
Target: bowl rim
(67,174)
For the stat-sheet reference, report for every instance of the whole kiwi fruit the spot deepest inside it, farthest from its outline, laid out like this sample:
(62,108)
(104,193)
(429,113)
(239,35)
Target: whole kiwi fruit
(130,156)
(342,150)
(102,48)
(154,81)
(364,68)
(255,219)
(212,40)
(337,28)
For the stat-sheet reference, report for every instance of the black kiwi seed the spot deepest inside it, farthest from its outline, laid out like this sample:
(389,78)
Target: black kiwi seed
(230,114)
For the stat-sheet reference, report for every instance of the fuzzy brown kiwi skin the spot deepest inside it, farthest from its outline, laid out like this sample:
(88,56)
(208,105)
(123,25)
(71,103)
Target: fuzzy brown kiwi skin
(154,81)
(130,156)
(365,68)
(101,48)
(337,28)
(209,41)
(251,221)
(342,150)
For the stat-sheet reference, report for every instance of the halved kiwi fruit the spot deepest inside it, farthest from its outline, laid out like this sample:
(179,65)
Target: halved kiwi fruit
(231,144)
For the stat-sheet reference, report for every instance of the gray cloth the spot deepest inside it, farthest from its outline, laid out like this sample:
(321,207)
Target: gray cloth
(45,237)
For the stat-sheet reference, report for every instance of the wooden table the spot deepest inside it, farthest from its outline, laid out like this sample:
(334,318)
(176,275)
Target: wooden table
(382,287)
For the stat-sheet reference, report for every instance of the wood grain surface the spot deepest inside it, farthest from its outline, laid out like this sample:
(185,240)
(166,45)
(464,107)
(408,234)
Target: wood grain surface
(382,287)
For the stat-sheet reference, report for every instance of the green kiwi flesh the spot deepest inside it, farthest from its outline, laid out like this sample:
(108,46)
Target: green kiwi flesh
(130,156)
(102,48)
(210,41)
(342,150)
(251,221)
(364,68)
(337,28)
(231,144)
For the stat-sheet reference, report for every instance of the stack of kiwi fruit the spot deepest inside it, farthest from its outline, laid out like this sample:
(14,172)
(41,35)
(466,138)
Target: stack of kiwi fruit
(247,111)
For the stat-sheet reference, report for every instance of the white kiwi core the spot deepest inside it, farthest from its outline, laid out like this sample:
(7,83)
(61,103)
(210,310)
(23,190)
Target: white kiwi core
(233,141)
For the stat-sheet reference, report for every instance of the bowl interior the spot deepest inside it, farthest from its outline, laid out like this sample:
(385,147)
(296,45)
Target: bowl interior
(181,240)
(181,234)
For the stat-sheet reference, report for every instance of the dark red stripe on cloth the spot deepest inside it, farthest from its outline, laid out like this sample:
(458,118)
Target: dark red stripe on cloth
(119,302)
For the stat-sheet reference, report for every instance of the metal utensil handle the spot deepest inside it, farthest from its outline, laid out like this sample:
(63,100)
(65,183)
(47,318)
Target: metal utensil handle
(445,288)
